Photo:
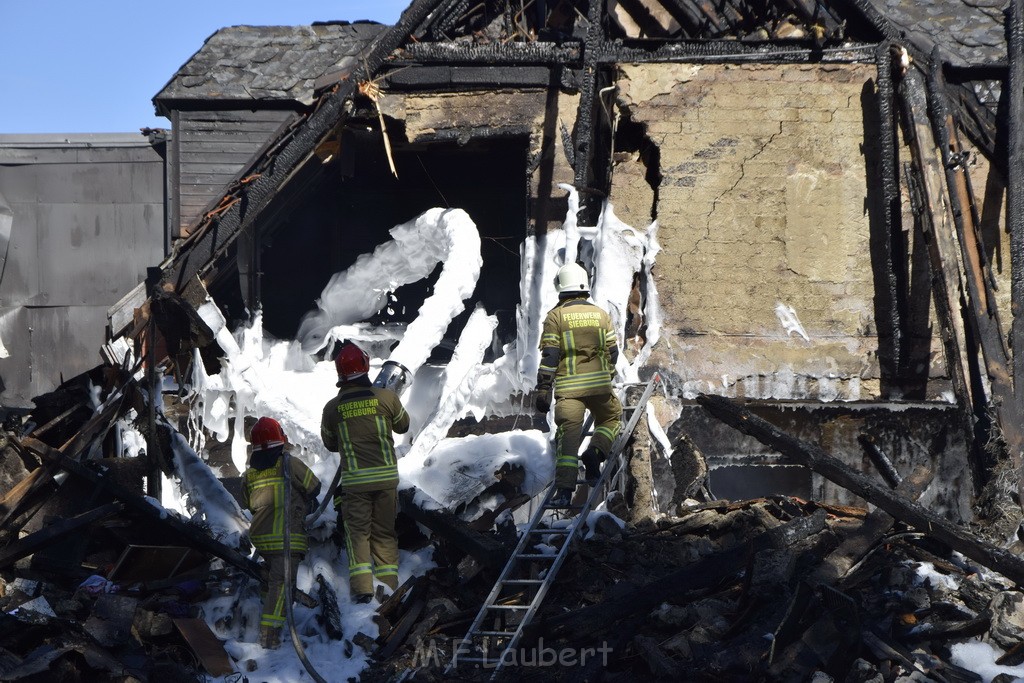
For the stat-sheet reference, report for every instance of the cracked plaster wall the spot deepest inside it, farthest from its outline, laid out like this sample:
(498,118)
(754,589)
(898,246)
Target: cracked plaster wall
(762,200)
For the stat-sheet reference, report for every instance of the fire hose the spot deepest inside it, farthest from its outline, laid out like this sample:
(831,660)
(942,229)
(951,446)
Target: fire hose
(289,580)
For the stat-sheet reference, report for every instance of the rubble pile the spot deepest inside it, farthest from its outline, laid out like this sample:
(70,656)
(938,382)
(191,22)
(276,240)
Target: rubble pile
(101,582)
(766,589)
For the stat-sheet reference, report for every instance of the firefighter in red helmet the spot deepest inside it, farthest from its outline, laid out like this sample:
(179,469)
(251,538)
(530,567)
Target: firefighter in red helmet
(358,424)
(263,493)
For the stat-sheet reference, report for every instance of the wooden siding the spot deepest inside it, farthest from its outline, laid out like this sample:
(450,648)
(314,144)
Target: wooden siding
(211,148)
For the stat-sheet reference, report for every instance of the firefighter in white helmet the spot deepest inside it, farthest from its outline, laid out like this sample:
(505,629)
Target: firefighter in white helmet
(578,354)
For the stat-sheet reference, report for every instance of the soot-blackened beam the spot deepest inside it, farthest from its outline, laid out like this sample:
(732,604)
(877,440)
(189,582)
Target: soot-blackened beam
(1015,193)
(891,203)
(732,52)
(214,234)
(588,108)
(507,54)
(924,520)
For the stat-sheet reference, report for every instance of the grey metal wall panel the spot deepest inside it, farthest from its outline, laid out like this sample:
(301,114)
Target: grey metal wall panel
(93,254)
(114,182)
(45,345)
(87,222)
(16,357)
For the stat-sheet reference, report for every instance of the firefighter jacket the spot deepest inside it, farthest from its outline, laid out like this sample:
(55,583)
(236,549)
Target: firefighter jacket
(578,350)
(357,424)
(263,493)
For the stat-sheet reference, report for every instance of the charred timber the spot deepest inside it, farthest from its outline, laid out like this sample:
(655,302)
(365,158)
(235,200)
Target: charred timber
(587,113)
(1015,193)
(732,52)
(705,573)
(981,302)
(52,533)
(891,202)
(922,519)
(881,460)
(506,54)
(485,548)
(143,507)
(468,77)
(212,235)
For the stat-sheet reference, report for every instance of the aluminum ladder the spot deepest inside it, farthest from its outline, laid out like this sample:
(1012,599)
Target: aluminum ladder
(518,608)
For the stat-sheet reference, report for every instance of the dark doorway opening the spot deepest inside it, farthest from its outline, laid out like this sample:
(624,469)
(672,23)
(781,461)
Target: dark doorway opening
(347,207)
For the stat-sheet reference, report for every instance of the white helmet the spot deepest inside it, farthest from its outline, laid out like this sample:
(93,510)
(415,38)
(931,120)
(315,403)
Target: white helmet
(572,279)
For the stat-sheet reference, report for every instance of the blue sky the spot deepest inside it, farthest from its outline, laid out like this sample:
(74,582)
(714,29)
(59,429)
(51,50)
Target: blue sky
(80,66)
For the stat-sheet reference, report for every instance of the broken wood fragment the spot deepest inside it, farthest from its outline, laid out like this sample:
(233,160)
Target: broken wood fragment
(878,522)
(206,646)
(48,535)
(140,505)
(483,547)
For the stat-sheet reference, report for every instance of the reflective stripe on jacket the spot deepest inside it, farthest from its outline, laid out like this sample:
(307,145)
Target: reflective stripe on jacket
(358,424)
(578,349)
(263,493)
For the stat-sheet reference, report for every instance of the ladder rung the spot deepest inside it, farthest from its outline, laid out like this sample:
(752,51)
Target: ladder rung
(535,556)
(549,531)
(508,607)
(562,507)
(523,582)
(506,634)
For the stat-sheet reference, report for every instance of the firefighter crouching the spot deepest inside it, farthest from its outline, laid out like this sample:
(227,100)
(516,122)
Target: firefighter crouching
(578,354)
(263,494)
(358,424)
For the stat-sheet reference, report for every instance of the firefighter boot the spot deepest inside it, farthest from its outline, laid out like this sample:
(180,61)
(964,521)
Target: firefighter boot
(591,465)
(561,498)
(270,637)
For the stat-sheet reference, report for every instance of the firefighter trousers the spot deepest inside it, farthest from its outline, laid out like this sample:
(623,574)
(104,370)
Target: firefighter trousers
(370,538)
(569,416)
(273,616)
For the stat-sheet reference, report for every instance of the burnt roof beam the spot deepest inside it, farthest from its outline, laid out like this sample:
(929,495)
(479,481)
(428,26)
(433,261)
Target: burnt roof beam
(731,51)
(546,54)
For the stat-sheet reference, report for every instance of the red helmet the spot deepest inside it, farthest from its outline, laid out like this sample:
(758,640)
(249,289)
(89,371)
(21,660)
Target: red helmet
(351,362)
(266,433)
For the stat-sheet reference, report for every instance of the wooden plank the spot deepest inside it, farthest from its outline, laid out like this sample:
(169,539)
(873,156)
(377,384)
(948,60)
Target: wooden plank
(981,299)
(141,506)
(49,535)
(233,115)
(214,156)
(922,519)
(206,646)
(213,147)
(937,224)
(202,129)
(22,495)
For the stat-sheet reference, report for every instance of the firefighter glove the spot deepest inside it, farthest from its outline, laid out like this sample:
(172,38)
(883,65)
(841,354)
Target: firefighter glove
(543,402)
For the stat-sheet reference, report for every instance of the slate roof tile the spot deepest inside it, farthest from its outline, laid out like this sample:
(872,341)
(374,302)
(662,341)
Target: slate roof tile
(267,62)
(969,32)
